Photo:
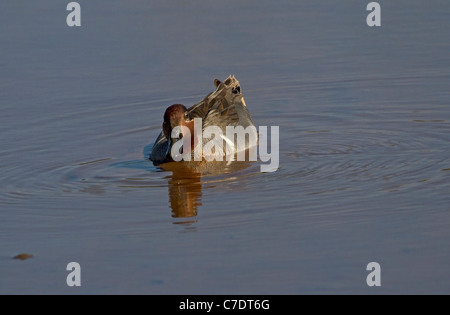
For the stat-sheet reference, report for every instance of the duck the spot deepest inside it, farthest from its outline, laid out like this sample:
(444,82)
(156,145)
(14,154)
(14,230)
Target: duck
(223,107)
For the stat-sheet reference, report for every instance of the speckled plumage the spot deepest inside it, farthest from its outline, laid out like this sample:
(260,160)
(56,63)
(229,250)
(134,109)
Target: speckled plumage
(223,107)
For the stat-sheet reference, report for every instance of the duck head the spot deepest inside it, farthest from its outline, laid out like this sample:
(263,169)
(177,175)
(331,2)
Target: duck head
(176,115)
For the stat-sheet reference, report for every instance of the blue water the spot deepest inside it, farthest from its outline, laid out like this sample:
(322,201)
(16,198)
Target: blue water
(364,135)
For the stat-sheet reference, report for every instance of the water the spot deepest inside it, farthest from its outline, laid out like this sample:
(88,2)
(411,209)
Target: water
(364,137)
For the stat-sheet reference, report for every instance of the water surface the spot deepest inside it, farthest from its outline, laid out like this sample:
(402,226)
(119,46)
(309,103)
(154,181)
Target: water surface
(364,136)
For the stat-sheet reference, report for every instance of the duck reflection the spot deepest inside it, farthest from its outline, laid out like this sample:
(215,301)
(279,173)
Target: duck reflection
(185,190)
(185,183)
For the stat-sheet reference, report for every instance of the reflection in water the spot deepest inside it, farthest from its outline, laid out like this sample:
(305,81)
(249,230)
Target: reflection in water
(185,183)
(185,191)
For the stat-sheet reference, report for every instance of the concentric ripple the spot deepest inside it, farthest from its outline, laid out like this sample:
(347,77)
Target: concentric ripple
(325,148)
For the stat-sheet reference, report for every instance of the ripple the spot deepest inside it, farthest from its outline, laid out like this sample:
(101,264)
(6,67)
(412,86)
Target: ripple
(334,149)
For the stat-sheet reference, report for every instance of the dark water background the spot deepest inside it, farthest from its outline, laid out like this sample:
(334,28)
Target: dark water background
(364,147)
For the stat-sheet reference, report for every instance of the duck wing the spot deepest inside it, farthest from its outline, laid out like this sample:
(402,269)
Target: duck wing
(223,107)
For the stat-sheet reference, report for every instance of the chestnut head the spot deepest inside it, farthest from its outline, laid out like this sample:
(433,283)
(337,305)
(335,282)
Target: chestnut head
(175,115)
